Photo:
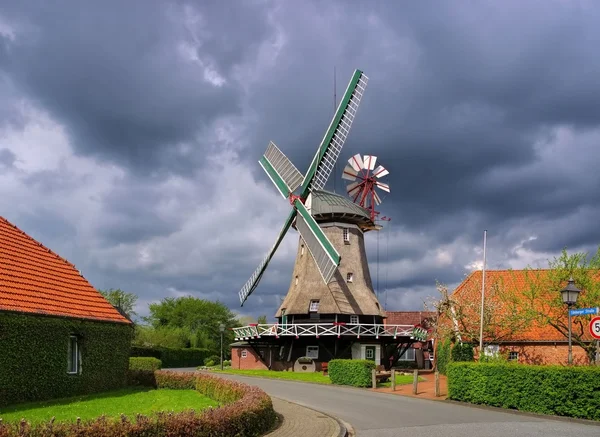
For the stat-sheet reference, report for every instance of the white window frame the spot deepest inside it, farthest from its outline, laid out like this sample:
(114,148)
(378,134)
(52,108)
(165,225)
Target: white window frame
(349,277)
(244,353)
(406,356)
(491,350)
(346,234)
(73,368)
(353,319)
(369,350)
(314,306)
(516,358)
(312,352)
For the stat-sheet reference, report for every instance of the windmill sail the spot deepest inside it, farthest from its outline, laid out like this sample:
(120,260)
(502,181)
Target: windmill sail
(251,284)
(333,141)
(319,246)
(280,169)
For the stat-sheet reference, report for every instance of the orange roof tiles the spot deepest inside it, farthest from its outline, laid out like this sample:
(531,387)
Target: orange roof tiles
(408,317)
(514,282)
(33,279)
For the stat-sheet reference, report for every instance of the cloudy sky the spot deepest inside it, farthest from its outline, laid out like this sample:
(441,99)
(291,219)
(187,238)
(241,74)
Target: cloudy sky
(130,134)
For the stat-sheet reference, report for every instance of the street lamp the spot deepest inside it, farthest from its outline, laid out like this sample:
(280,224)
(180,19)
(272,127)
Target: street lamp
(569,297)
(222,329)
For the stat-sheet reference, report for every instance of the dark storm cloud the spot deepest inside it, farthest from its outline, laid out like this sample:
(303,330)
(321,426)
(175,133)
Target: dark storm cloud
(7,158)
(114,75)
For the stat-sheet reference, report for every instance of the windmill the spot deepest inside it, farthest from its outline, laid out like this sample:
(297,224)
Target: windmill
(288,180)
(365,178)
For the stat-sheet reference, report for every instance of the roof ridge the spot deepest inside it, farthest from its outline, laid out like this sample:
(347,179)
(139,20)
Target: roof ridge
(28,237)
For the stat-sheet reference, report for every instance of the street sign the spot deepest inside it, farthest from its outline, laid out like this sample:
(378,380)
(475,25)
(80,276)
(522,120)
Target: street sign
(595,327)
(583,311)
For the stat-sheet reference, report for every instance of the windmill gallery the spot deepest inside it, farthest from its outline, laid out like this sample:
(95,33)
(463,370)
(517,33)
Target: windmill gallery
(330,310)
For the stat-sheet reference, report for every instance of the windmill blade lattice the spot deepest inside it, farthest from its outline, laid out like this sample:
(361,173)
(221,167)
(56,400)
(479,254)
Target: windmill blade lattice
(365,178)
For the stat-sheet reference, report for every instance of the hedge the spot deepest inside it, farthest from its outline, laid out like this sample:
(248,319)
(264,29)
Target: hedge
(247,411)
(33,357)
(141,371)
(442,355)
(172,357)
(351,372)
(462,352)
(557,390)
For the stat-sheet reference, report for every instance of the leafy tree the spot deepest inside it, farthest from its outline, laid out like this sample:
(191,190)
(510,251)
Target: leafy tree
(262,320)
(121,299)
(543,297)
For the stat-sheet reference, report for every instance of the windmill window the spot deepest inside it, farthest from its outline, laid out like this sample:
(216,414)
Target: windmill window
(301,249)
(408,355)
(314,306)
(296,280)
(346,232)
(353,319)
(312,352)
(349,277)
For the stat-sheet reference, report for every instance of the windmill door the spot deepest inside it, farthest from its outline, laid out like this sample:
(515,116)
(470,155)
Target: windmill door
(370,353)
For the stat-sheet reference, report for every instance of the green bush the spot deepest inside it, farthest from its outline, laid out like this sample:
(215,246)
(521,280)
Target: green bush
(212,360)
(34,350)
(209,363)
(144,363)
(558,390)
(247,411)
(226,363)
(172,357)
(356,373)
(462,352)
(405,365)
(442,356)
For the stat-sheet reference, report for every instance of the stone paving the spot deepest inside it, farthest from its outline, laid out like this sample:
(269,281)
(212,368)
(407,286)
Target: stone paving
(300,421)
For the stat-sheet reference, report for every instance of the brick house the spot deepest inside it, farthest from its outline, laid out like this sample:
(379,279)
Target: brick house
(418,354)
(58,335)
(533,343)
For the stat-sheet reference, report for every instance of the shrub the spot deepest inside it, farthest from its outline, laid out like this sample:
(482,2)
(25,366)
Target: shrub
(442,356)
(462,352)
(144,363)
(351,372)
(141,371)
(209,363)
(558,390)
(213,359)
(34,350)
(226,363)
(248,412)
(172,357)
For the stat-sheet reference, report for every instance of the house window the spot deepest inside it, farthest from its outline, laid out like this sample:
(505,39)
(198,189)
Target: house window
(408,355)
(491,350)
(73,356)
(314,306)
(349,277)
(312,352)
(244,353)
(353,319)
(370,354)
(513,356)
(346,235)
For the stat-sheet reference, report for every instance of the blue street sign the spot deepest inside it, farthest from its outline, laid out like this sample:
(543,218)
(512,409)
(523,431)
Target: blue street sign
(583,311)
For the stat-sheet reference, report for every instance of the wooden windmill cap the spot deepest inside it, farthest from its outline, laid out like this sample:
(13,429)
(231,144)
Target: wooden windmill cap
(326,205)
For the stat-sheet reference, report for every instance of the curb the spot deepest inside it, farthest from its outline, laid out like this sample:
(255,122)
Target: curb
(346,429)
(526,413)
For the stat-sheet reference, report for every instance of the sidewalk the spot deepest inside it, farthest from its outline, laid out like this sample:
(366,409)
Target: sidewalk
(299,421)
(425,389)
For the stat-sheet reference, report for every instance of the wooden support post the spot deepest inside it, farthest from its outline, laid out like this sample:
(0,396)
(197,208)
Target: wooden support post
(393,380)
(374,378)
(437,384)
(415,381)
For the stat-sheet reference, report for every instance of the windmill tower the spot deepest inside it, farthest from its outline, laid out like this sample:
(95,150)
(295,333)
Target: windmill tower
(330,309)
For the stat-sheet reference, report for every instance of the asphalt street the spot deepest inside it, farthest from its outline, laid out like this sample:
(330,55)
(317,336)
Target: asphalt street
(382,415)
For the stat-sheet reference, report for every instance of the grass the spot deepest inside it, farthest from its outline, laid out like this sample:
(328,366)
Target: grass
(400,380)
(129,401)
(315,377)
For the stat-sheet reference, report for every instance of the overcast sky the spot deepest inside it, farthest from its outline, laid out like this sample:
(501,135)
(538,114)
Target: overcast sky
(130,134)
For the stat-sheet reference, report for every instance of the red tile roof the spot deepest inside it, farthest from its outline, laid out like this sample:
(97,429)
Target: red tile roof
(33,279)
(408,317)
(514,283)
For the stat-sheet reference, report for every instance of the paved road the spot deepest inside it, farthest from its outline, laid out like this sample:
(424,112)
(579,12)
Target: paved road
(384,415)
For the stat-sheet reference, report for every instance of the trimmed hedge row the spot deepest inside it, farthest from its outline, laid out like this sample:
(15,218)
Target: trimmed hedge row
(356,373)
(172,357)
(141,371)
(145,363)
(247,412)
(34,351)
(557,390)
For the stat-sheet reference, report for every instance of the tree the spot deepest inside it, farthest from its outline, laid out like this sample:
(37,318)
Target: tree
(262,320)
(543,297)
(121,299)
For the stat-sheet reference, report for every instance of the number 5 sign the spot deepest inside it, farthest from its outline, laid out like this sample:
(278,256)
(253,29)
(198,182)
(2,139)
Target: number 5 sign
(595,327)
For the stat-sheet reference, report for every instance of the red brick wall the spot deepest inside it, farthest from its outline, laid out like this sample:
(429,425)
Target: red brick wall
(251,362)
(544,354)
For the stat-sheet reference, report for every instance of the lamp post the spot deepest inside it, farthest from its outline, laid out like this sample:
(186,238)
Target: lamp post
(569,297)
(222,329)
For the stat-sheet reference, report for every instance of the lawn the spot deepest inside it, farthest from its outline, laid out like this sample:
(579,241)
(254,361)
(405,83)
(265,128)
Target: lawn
(128,401)
(315,377)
